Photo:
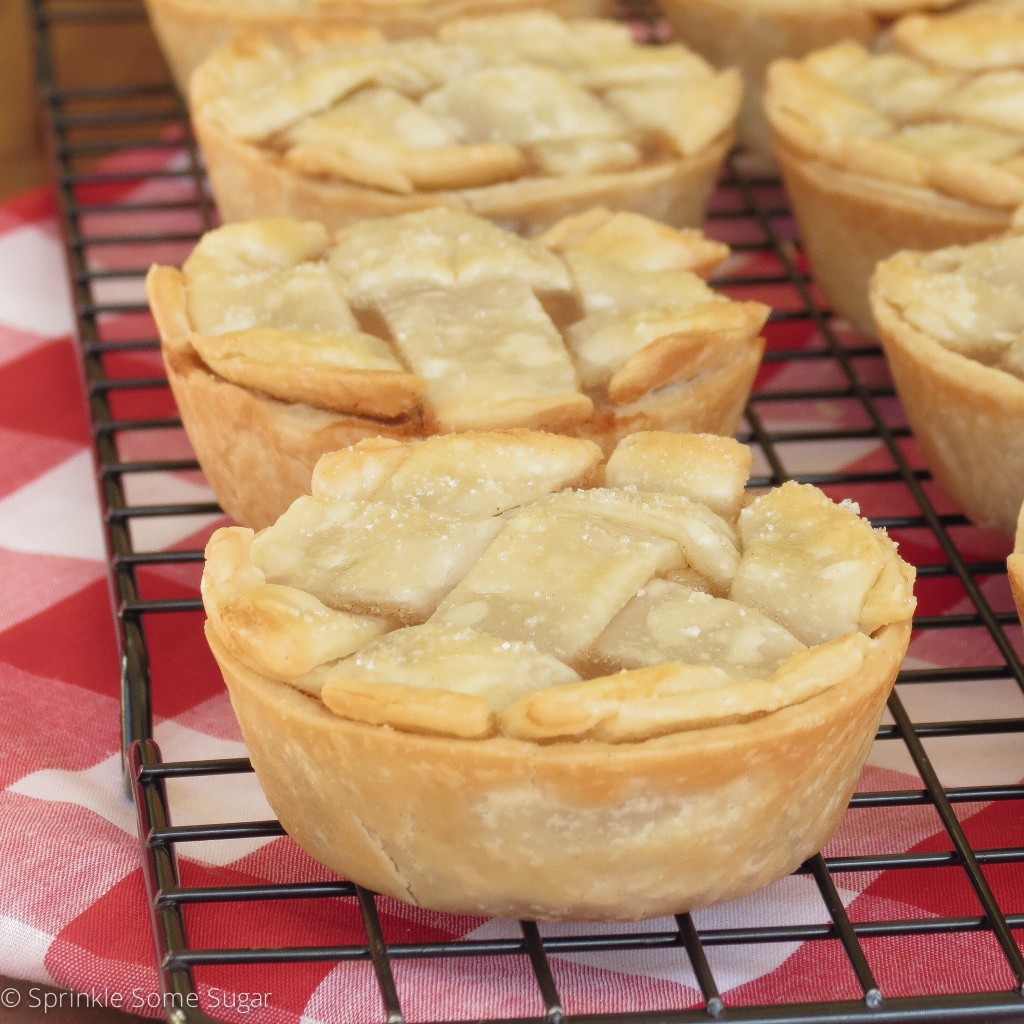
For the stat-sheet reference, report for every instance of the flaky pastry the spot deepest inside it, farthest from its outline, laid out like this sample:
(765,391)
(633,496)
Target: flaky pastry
(916,148)
(490,674)
(751,34)
(520,118)
(190,30)
(952,326)
(282,342)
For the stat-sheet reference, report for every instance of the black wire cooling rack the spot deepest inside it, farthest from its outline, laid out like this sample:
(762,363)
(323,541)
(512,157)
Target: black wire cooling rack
(130,182)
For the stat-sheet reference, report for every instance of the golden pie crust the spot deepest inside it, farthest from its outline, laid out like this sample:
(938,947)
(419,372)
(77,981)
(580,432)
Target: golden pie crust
(919,147)
(1015,566)
(190,30)
(951,323)
(490,673)
(751,34)
(522,119)
(282,343)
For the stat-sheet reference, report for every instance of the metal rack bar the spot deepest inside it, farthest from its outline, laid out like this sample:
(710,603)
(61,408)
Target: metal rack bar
(379,955)
(553,1011)
(847,935)
(994,915)
(701,968)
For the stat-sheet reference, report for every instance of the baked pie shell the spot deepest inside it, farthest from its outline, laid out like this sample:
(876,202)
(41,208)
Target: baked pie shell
(258,452)
(565,830)
(250,182)
(190,30)
(968,418)
(850,222)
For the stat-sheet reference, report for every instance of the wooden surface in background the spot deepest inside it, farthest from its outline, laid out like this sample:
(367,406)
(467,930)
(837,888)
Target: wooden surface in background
(121,53)
(22,163)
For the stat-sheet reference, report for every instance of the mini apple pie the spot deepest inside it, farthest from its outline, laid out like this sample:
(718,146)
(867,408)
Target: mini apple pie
(190,30)
(751,34)
(521,119)
(952,326)
(917,148)
(282,342)
(488,674)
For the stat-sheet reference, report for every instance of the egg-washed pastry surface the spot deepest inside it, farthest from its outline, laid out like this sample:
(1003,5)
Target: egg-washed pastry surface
(943,109)
(442,315)
(508,583)
(488,100)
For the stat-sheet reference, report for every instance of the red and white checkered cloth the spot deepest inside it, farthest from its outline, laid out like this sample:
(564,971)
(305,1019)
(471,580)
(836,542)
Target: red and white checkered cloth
(73,911)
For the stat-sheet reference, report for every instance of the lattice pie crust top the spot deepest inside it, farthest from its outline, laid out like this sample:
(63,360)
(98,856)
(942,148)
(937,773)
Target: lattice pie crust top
(437,321)
(468,586)
(190,30)
(488,100)
(444,312)
(917,147)
(499,602)
(944,109)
